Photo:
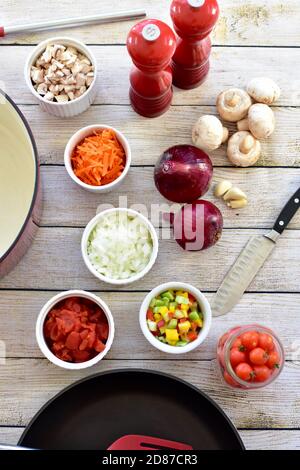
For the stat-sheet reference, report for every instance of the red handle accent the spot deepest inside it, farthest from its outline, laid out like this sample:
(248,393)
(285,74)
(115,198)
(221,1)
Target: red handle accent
(2,32)
(137,442)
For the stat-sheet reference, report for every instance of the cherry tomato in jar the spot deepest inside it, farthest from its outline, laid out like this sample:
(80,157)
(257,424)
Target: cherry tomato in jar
(237,356)
(261,373)
(221,357)
(244,371)
(250,340)
(258,356)
(237,343)
(273,361)
(223,339)
(266,342)
(229,379)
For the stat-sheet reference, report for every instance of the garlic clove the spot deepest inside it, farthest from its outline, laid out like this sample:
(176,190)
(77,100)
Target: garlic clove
(233,194)
(237,204)
(222,188)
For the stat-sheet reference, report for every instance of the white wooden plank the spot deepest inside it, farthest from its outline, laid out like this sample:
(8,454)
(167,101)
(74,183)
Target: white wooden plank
(19,310)
(230,66)
(271,440)
(253,439)
(149,138)
(55,263)
(250,23)
(276,406)
(260,185)
(10,435)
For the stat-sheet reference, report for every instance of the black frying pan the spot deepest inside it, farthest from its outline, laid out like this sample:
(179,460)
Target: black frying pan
(96,411)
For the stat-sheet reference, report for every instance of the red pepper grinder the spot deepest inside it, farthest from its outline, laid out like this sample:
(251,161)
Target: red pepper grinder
(151,45)
(193,21)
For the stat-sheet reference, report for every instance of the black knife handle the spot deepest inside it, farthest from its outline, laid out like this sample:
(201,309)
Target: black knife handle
(287,212)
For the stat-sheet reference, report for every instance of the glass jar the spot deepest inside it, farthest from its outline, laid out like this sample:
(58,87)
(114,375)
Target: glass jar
(223,355)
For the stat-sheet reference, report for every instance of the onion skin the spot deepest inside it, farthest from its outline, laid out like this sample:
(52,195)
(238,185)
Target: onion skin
(198,226)
(183,173)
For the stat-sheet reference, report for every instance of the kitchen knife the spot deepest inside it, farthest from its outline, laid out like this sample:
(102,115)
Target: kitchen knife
(251,260)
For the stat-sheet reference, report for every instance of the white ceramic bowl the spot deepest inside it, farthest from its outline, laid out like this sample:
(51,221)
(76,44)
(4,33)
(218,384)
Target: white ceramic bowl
(40,326)
(71,108)
(84,244)
(77,138)
(205,309)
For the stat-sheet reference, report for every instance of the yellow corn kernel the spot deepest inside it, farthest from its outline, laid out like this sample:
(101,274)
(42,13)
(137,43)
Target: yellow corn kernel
(172,335)
(184,326)
(186,295)
(184,307)
(199,322)
(157,317)
(172,309)
(163,310)
(180,293)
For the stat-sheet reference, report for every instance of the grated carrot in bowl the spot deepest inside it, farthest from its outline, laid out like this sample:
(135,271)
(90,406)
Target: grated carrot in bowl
(99,159)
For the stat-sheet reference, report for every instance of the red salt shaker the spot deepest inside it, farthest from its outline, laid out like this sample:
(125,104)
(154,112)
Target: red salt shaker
(151,45)
(193,21)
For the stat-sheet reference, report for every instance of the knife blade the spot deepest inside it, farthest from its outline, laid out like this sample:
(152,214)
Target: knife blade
(250,261)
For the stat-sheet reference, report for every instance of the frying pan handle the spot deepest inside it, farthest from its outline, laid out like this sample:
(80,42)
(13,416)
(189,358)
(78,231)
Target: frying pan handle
(287,212)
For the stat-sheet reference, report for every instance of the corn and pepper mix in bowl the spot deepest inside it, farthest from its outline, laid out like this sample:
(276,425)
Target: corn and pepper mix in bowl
(175,317)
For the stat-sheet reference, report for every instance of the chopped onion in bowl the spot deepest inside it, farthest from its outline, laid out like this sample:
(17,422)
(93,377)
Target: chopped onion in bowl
(120,246)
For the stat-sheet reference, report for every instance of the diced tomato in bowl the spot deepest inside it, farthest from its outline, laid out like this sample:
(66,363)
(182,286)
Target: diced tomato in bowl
(75,329)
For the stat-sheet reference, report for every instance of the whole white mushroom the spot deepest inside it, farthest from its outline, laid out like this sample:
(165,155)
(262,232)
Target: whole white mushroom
(243,149)
(263,90)
(208,133)
(261,121)
(233,104)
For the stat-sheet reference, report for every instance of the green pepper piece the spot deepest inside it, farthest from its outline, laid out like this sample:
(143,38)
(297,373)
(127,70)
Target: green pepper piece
(182,300)
(162,339)
(168,294)
(159,303)
(193,316)
(166,317)
(179,314)
(152,303)
(181,343)
(156,309)
(172,324)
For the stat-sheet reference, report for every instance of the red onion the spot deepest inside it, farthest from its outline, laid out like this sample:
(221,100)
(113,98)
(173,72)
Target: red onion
(197,226)
(183,173)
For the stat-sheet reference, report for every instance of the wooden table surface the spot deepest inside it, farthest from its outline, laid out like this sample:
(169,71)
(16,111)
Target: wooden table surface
(252,38)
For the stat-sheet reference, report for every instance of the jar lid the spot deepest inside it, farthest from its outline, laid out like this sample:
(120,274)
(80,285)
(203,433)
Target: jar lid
(151,43)
(194,18)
